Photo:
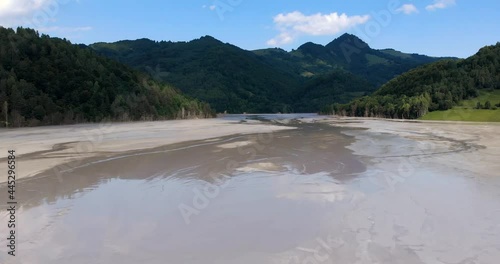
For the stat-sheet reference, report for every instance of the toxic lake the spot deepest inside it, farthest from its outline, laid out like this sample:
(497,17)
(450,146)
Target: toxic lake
(257,189)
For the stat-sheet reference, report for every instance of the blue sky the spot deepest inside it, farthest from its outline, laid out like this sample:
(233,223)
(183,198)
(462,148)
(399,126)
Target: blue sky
(432,27)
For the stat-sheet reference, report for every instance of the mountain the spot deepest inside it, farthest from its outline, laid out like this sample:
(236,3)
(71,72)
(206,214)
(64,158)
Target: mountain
(436,86)
(267,80)
(338,86)
(354,55)
(229,78)
(351,54)
(49,81)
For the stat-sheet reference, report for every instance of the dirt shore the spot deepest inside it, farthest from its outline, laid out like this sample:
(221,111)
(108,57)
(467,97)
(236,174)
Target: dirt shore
(476,145)
(42,148)
(343,191)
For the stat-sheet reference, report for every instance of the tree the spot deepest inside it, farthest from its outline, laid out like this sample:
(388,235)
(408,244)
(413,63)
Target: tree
(487,105)
(479,105)
(405,110)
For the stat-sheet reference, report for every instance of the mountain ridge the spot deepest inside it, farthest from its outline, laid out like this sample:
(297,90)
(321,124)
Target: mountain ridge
(237,80)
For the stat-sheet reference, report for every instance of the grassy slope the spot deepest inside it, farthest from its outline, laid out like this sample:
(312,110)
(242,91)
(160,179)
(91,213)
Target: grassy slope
(466,111)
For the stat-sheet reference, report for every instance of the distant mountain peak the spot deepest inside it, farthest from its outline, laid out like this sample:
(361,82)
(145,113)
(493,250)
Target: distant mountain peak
(309,45)
(350,37)
(347,40)
(208,38)
(313,49)
(347,35)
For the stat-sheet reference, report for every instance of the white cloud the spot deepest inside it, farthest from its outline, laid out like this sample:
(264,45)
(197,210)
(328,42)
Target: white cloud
(21,12)
(407,9)
(440,4)
(20,7)
(295,24)
(211,7)
(37,14)
(281,39)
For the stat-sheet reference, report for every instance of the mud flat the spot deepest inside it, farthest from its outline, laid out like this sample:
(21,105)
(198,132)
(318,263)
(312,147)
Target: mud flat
(434,188)
(472,146)
(235,199)
(322,190)
(43,148)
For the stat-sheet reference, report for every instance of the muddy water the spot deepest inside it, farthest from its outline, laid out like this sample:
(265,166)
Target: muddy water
(301,196)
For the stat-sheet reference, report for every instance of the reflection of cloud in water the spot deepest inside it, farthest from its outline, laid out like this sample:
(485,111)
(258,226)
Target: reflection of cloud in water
(48,231)
(261,166)
(319,187)
(235,144)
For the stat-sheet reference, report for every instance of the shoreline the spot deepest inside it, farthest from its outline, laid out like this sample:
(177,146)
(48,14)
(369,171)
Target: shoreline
(395,190)
(41,149)
(466,146)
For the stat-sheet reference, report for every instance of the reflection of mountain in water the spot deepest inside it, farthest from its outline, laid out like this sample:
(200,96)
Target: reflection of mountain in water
(311,149)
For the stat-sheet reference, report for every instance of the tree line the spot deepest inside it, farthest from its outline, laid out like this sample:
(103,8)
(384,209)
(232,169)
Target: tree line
(436,86)
(49,81)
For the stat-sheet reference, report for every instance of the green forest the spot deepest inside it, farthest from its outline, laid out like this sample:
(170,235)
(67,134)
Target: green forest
(338,86)
(49,81)
(437,86)
(229,78)
(273,80)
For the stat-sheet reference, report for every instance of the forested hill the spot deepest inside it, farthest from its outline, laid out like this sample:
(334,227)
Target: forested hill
(269,80)
(353,55)
(337,86)
(48,81)
(436,86)
(229,78)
